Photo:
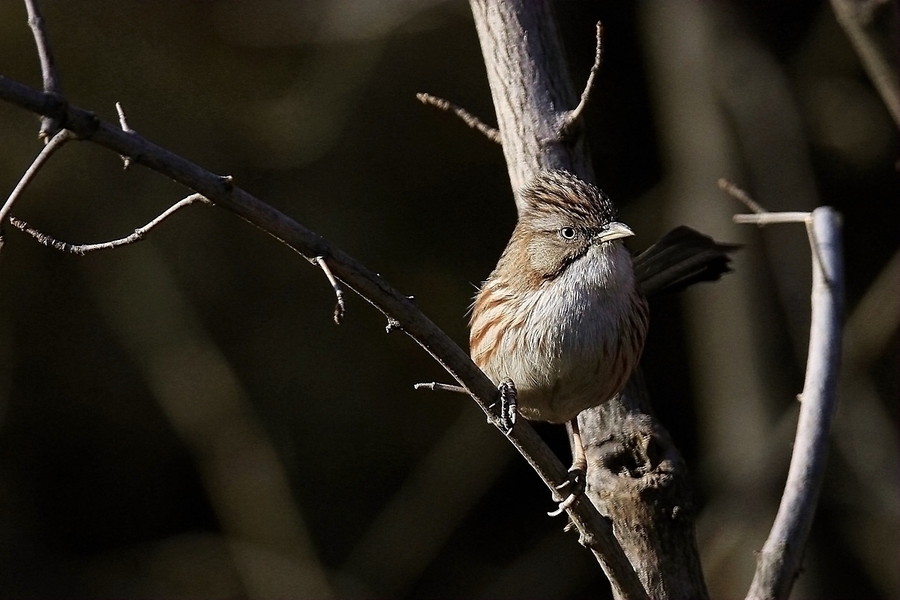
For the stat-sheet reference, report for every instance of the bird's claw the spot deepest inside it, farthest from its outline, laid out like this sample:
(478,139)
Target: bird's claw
(575,483)
(509,405)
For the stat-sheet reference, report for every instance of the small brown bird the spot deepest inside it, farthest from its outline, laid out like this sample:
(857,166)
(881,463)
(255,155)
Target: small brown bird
(563,315)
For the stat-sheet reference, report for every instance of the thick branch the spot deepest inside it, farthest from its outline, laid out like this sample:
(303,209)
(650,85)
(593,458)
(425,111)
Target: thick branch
(780,559)
(531,88)
(398,308)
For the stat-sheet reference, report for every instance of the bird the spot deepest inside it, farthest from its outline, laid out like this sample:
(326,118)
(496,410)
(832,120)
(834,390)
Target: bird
(563,317)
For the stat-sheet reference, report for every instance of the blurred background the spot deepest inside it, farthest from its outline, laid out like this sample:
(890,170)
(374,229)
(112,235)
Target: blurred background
(182,418)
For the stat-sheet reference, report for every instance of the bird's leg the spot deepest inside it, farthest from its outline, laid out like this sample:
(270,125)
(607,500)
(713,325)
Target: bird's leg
(577,471)
(509,405)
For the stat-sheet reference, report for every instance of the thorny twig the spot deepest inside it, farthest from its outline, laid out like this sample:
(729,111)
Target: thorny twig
(339,308)
(468,118)
(46,152)
(82,249)
(571,118)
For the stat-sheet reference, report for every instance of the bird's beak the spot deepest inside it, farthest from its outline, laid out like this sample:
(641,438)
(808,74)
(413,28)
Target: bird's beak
(615,231)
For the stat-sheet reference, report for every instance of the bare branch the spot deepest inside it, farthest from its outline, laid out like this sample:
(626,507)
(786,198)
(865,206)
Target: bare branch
(738,194)
(49,126)
(573,116)
(339,308)
(398,308)
(443,387)
(123,122)
(871,26)
(82,249)
(46,152)
(768,218)
(467,117)
(780,559)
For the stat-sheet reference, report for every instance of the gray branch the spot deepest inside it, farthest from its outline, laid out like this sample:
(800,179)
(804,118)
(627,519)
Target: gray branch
(871,26)
(82,249)
(49,127)
(779,561)
(595,531)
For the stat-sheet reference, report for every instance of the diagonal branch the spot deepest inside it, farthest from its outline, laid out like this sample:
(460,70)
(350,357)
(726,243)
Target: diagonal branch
(595,531)
(872,27)
(466,117)
(46,152)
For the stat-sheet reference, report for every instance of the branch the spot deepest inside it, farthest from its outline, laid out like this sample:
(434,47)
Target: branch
(779,561)
(768,218)
(400,310)
(467,117)
(871,26)
(46,152)
(49,126)
(531,89)
(573,116)
(83,249)
(123,123)
(339,307)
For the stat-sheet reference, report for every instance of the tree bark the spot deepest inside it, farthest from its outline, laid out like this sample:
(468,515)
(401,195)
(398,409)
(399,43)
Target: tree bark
(636,476)
(531,89)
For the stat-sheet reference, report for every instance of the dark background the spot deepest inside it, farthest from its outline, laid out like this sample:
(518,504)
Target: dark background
(182,417)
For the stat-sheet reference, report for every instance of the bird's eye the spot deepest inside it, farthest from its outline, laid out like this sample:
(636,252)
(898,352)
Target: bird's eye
(567,233)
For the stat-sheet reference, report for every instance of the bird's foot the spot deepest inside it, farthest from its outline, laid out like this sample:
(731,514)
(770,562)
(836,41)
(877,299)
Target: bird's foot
(574,484)
(509,405)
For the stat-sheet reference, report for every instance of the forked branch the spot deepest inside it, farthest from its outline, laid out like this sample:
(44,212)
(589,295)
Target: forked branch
(779,561)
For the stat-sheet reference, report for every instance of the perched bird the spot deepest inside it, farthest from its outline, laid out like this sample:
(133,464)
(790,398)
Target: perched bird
(563,315)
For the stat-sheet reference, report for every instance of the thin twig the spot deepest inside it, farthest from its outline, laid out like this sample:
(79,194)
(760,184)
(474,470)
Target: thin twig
(82,249)
(442,387)
(768,218)
(738,194)
(46,152)
(123,122)
(49,126)
(339,308)
(467,117)
(779,561)
(572,117)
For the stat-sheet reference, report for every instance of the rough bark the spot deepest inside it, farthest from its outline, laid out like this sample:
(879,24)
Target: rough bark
(531,89)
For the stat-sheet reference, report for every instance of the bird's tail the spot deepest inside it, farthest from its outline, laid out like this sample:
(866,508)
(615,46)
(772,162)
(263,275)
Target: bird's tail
(679,259)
